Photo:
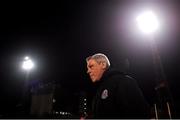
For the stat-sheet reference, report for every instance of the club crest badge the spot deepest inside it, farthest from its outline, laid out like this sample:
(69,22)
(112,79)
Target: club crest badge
(104,94)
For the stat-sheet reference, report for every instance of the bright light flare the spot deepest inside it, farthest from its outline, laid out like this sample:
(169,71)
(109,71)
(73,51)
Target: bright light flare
(26,58)
(27,64)
(147,22)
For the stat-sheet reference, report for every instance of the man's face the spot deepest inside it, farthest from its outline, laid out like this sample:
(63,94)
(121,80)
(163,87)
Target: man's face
(95,70)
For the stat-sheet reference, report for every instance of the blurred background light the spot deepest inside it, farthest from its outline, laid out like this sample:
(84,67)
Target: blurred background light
(147,22)
(27,64)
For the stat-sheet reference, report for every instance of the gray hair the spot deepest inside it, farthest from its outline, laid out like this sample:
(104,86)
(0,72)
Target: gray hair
(99,57)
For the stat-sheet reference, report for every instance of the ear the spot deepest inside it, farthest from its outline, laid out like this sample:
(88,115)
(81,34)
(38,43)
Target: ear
(103,65)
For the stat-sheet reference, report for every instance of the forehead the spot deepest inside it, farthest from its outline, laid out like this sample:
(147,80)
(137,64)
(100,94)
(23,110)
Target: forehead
(91,61)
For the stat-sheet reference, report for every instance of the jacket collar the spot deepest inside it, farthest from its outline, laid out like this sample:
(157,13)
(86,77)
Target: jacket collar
(109,72)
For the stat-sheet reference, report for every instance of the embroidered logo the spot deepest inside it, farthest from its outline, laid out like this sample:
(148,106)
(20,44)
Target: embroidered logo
(104,94)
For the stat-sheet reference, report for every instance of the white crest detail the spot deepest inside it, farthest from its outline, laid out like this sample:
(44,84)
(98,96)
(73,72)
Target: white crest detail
(104,94)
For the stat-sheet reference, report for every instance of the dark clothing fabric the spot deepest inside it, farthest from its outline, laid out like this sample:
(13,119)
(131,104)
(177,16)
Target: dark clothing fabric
(118,96)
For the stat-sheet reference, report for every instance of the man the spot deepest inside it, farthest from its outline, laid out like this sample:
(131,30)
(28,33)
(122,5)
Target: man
(118,95)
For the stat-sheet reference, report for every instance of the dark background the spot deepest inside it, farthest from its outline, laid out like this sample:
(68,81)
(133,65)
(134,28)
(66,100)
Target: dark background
(59,36)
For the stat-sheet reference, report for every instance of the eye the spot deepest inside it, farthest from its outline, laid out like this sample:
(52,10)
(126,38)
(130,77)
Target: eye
(90,66)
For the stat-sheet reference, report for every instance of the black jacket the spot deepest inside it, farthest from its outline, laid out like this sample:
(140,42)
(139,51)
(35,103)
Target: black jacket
(118,96)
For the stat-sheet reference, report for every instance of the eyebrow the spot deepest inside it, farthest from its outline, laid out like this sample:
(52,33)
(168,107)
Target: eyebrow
(90,65)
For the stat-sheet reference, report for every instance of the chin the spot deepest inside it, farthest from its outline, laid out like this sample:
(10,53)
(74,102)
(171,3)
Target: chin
(93,80)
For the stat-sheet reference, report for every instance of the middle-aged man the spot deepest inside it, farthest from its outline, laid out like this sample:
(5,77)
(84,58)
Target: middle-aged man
(118,95)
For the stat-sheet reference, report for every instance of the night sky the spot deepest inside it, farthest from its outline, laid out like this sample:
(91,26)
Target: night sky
(59,36)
